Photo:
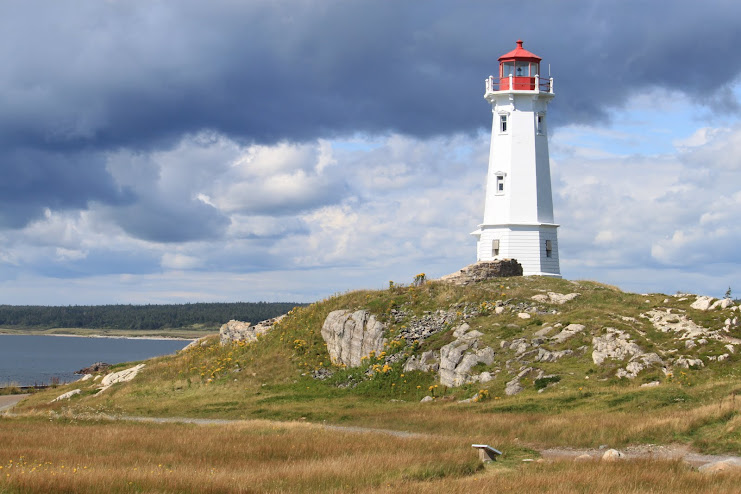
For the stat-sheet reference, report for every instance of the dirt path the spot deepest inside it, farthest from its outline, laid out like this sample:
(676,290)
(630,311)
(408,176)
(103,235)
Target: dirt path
(647,451)
(644,451)
(8,401)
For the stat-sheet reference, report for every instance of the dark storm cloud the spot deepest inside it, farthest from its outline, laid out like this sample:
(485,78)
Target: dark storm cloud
(32,180)
(100,76)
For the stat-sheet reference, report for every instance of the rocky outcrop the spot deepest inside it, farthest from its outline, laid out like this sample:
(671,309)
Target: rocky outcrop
(95,368)
(429,361)
(567,333)
(484,270)
(235,331)
(723,303)
(459,357)
(703,302)
(120,377)
(420,328)
(555,298)
(199,342)
(669,321)
(617,345)
(66,396)
(513,387)
(350,336)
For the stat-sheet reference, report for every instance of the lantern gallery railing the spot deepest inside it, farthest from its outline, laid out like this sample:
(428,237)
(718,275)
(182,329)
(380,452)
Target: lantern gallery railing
(515,83)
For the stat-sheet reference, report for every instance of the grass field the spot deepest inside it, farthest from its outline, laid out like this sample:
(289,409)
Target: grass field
(269,384)
(265,456)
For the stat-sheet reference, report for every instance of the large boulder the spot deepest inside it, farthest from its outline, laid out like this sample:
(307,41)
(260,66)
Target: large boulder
(350,336)
(703,302)
(459,357)
(123,376)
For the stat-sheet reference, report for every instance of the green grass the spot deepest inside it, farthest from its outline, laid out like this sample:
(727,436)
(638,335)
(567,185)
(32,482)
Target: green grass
(586,405)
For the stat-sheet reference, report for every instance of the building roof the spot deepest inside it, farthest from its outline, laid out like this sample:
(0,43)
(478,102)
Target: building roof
(520,53)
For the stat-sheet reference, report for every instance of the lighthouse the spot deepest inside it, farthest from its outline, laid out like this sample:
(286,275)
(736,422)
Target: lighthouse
(518,211)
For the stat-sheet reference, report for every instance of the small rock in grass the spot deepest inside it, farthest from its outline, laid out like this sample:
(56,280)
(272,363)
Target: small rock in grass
(427,399)
(721,466)
(612,455)
(523,315)
(583,457)
(66,396)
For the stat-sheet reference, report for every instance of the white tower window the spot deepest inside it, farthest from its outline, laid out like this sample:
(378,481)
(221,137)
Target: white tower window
(495,248)
(540,123)
(502,123)
(500,183)
(548,248)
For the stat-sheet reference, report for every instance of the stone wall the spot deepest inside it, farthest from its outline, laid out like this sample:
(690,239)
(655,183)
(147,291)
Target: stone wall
(484,270)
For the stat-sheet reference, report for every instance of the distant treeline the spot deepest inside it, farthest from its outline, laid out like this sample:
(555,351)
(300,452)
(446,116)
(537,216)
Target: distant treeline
(200,315)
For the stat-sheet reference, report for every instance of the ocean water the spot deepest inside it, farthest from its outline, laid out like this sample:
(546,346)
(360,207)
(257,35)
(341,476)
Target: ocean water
(28,360)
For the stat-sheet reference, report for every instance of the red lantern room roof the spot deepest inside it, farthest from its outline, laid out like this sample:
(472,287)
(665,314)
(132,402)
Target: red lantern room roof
(520,53)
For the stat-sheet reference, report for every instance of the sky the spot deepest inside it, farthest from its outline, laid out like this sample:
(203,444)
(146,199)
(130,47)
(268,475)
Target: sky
(182,151)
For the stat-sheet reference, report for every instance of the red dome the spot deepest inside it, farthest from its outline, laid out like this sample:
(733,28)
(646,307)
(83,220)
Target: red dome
(520,53)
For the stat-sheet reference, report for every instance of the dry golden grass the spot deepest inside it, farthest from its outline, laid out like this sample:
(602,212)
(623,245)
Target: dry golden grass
(262,456)
(569,477)
(257,456)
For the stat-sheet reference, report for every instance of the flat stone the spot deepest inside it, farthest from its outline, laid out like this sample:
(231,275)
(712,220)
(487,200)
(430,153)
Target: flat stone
(612,455)
(66,396)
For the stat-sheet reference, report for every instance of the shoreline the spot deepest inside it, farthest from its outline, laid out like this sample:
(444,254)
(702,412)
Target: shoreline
(114,337)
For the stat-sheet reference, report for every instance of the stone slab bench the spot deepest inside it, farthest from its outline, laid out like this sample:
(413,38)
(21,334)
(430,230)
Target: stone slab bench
(486,452)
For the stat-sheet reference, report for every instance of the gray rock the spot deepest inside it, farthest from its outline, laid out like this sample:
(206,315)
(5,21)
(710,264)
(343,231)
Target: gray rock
(350,336)
(513,387)
(612,455)
(568,332)
(638,363)
(460,356)
(702,303)
(665,321)
(429,361)
(235,331)
(66,396)
(688,362)
(723,303)
(721,466)
(123,376)
(427,399)
(541,333)
(548,356)
(614,344)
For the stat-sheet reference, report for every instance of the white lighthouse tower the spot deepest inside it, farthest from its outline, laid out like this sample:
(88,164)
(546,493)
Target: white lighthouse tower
(518,213)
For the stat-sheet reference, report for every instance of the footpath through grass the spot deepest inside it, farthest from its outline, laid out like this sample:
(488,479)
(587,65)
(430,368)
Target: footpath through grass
(40,456)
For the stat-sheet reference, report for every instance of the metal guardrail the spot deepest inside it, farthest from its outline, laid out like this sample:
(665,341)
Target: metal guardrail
(513,83)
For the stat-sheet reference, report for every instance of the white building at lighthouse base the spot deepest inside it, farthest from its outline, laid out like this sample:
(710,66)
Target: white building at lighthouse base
(526,243)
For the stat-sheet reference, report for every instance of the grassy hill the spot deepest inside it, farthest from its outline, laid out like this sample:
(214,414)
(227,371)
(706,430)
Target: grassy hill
(578,404)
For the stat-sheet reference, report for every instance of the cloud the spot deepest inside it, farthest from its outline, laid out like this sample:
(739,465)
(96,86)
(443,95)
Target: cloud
(352,138)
